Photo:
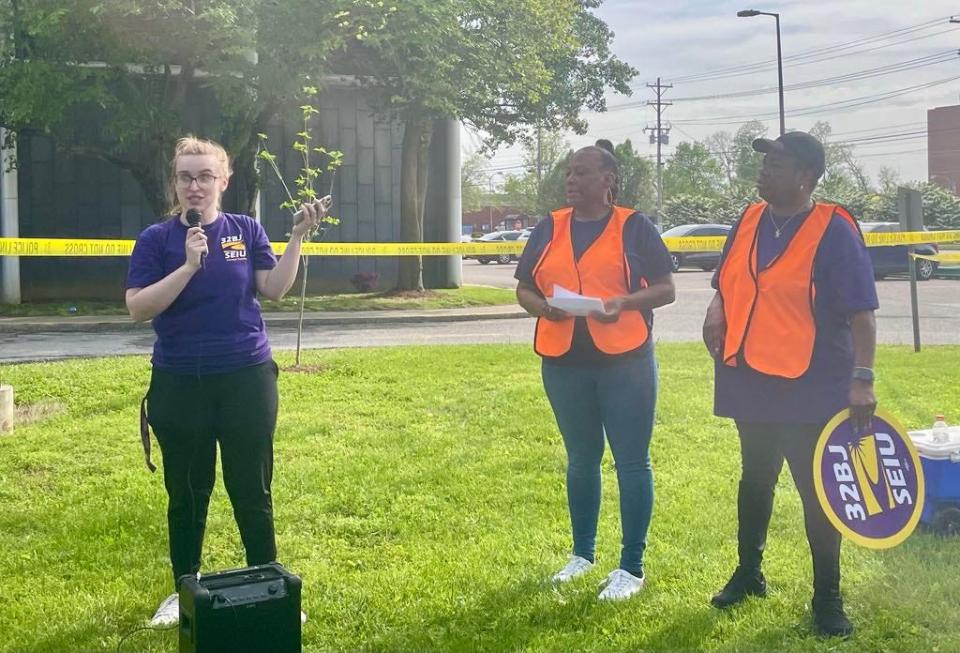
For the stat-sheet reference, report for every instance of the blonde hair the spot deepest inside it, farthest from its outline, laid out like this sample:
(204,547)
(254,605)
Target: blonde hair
(189,145)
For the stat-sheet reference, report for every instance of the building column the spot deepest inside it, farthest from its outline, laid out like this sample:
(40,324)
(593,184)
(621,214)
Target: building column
(9,219)
(442,217)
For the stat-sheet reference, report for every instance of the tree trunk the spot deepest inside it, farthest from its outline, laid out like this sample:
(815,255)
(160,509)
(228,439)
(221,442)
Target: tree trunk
(246,181)
(413,187)
(150,171)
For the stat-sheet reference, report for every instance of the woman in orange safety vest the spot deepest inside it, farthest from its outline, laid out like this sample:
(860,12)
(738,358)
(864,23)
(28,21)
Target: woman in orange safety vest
(599,370)
(792,332)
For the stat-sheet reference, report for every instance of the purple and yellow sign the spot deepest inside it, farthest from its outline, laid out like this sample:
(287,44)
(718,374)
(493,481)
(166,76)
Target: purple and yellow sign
(870,485)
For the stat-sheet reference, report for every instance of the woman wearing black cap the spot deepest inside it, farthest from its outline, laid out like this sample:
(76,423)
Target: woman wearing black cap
(599,370)
(785,365)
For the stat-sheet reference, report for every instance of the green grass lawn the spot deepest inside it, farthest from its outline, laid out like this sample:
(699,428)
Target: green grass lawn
(463,297)
(420,494)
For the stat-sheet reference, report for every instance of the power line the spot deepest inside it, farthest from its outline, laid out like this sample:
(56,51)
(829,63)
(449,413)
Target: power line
(817,54)
(830,107)
(898,153)
(902,66)
(912,64)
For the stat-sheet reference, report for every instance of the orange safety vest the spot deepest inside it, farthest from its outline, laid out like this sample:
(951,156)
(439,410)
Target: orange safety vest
(602,271)
(771,326)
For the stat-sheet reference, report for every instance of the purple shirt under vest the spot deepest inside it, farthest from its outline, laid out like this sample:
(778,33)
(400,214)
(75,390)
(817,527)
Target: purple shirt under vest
(215,324)
(843,275)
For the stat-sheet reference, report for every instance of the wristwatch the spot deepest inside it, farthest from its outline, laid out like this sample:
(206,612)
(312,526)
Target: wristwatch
(863,374)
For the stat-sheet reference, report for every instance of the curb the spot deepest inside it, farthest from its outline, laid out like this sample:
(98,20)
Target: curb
(20,326)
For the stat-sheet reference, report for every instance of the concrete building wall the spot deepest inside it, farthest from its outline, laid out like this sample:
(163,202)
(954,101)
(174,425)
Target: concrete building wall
(943,147)
(63,196)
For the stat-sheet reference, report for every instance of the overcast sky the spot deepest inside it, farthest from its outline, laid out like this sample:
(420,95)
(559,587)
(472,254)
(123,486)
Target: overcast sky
(683,41)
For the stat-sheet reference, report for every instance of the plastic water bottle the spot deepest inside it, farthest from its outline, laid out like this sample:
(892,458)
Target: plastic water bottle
(941,432)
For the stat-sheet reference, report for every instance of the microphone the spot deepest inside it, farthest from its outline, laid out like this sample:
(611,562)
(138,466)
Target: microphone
(193,219)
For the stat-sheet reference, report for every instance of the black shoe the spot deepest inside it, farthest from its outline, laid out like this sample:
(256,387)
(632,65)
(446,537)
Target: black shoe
(743,583)
(829,619)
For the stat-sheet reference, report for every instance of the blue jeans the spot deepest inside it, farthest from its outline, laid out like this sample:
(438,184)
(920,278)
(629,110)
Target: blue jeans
(618,400)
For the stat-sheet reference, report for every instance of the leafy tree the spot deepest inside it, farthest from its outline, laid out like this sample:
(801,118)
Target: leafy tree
(699,209)
(721,145)
(747,160)
(842,172)
(498,65)
(520,191)
(693,170)
(941,207)
(637,179)
(540,188)
(472,182)
(137,65)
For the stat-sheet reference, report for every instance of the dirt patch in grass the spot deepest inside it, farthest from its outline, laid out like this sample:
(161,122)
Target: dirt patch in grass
(410,294)
(39,412)
(306,369)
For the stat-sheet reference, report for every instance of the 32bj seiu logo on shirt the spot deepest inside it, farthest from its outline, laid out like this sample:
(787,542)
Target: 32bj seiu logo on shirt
(234,248)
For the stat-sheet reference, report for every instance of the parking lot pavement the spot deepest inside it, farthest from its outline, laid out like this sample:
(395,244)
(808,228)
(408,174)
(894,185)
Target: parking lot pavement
(939,305)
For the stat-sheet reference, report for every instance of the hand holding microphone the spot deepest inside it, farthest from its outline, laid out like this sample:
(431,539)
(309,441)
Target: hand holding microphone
(196,243)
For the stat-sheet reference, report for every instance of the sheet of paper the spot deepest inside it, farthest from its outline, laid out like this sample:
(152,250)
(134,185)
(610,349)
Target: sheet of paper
(574,303)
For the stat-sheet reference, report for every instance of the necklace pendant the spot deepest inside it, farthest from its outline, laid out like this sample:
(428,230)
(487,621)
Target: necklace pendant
(776,233)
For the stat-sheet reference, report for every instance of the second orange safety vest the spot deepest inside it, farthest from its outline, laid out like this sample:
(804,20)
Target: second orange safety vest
(602,271)
(771,325)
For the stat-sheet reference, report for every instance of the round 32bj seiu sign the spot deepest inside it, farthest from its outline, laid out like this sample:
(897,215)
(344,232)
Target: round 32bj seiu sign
(870,485)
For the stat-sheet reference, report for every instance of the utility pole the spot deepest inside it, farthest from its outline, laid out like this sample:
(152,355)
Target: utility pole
(539,158)
(660,136)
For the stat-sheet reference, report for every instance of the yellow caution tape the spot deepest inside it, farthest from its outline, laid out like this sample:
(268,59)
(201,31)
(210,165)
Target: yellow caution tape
(64,247)
(695,244)
(98,247)
(943,257)
(406,249)
(911,238)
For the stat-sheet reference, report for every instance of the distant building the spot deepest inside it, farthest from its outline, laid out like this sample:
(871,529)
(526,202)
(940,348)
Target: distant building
(491,218)
(943,147)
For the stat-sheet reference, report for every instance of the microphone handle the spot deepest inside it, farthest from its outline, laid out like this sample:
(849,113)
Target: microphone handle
(203,255)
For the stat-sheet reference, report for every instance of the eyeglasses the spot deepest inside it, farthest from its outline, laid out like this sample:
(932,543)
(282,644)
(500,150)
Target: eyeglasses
(204,179)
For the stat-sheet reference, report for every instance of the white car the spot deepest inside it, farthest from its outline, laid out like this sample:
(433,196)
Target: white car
(496,236)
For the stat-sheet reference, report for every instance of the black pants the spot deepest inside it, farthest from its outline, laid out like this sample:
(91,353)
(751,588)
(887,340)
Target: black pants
(190,415)
(763,448)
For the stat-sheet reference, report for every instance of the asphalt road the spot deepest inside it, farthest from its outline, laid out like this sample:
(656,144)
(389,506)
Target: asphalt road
(939,302)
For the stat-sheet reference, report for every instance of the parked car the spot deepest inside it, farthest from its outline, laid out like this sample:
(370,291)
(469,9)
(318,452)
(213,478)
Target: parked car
(495,236)
(894,259)
(706,261)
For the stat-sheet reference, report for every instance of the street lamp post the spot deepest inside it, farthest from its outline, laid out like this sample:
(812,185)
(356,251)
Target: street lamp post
(749,13)
(490,199)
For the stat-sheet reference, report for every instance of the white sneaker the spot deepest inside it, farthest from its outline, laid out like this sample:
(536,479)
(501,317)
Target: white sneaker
(577,566)
(620,585)
(303,617)
(168,613)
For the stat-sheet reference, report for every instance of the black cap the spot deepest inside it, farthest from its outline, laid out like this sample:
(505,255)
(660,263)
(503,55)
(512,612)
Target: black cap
(801,145)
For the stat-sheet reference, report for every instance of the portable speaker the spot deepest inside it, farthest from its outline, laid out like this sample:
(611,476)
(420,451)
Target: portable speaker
(250,610)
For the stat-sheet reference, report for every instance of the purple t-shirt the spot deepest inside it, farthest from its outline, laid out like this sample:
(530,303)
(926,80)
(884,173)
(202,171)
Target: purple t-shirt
(844,281)
(215,324)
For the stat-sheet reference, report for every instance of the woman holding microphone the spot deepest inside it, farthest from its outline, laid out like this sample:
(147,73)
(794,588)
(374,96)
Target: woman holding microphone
(599,371)
(213,378)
